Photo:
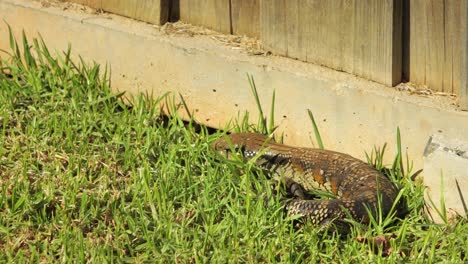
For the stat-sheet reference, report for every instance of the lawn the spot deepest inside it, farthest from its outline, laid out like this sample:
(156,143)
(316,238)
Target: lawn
(86,176)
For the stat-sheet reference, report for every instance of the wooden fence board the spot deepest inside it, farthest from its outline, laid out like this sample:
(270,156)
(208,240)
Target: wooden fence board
(358,36)
(435,48)
(378,41)
(152,11)
(296,30)
(214,14)
(435,44)
(463,70)
(91,3)
(416,54)
(245,17)
(274,21)
(121,7)
(450,31)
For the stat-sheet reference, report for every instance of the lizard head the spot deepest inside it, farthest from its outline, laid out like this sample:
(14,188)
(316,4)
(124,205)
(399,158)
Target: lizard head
(246,143)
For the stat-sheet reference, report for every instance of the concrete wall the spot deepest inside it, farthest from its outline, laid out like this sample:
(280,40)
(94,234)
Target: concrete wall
(353,114)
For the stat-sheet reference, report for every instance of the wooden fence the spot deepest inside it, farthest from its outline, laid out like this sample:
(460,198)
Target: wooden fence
(434,43)
(362,37)
(387,41)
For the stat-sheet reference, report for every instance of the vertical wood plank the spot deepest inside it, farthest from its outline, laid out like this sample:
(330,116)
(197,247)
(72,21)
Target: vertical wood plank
(184,10)
(435,47)
(346,55)
(360,43)
(406,40)
(417,39)
(121,7)
(313,29)
(293,30)
(435,44)
(245,16)
(273,26)
(462,71)
(378,40)
(304,30)
(358,36)
(455,46)
(449,46)
(91,3)
(265,31)
(397,53)
(324,38)
(152,11)
(214,14)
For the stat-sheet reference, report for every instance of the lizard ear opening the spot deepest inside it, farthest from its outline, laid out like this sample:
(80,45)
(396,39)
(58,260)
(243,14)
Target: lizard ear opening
(239,148)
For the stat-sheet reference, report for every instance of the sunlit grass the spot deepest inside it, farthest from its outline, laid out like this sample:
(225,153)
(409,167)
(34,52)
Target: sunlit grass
(85,177)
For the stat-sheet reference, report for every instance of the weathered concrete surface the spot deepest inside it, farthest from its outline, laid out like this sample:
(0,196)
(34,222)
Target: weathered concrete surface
(446,169)
(353,114)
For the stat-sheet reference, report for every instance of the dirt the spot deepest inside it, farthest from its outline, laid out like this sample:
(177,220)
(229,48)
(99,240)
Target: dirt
(64,5)
(251,45)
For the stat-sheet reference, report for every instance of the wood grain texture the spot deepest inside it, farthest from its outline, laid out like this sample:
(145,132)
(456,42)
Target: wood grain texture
(273,26)
(463,70)
(91,3)
(435,44)
(152,11)
(214,14)
(362,37)
(245,16)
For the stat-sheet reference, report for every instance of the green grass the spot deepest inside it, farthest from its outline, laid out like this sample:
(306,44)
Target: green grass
(85,177)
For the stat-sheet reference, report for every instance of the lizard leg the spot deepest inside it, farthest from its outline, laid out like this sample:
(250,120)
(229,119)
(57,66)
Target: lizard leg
(295,189)
(292,190)
(319,212)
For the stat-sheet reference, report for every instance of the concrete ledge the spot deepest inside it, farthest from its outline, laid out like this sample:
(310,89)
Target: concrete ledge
(445,167)
(353,114)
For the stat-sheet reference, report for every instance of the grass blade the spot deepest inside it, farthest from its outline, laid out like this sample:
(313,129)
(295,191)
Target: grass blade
(400,153)
(13,44)
(28,57)
(262,121)
(271,127)
(316,130)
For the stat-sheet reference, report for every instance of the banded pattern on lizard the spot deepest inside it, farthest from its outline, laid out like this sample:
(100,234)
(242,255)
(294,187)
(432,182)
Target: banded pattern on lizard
(356,184)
